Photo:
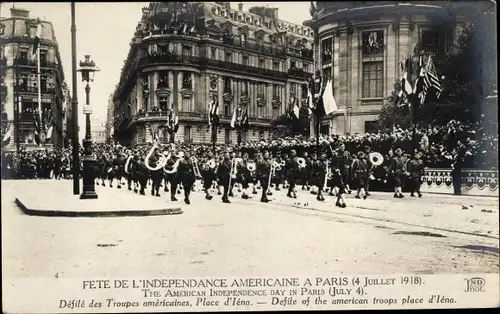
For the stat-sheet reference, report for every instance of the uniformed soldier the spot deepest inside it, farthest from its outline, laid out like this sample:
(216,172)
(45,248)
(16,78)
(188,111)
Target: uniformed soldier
(292,171)
(244,176)
(262,171)
(208,175)
(360,170)
(172,177)
(223,174)
(417,170)
(186,175)
(321,172)
(157,175)
(397,171)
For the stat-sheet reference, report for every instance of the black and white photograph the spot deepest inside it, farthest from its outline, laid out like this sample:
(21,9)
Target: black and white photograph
(249,156)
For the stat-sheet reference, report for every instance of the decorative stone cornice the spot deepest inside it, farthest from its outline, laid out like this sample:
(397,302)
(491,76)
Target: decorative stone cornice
(228,97)
(261,102)
(187,93)
(163,91)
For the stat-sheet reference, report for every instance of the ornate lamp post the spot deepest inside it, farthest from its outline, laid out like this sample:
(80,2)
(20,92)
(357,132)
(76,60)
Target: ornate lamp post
(88,69)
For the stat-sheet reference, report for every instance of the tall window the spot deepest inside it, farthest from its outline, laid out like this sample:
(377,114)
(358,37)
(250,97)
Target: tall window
(163,81)
(262,63)
(229,57)
(213,51)
(43,83)
(23,54)
(227,109)
(327,72)
(276,65)
(373,42)
(244,88)
(276,91)
(326,46)
(43,58)
(371,127)
(186,80)
(187,52)
(246,60)
(187,134)
(293,64)
(373,79)
(227,136)
(260,90)
(430,41)
(227,85)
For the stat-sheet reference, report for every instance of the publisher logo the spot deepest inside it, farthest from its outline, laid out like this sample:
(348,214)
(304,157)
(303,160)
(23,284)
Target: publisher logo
(475,284)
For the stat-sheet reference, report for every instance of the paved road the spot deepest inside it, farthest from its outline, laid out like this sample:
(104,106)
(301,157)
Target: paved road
(435,234)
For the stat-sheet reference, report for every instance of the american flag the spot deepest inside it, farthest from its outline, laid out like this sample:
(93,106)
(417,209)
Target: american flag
(213,111)
(431,78)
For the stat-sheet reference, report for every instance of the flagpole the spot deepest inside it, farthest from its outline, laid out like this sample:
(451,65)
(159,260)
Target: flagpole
(39,78)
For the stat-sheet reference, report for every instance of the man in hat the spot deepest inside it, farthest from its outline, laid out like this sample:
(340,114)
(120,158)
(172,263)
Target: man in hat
(398,170)
(208,175)
(224,175)
(185,175)
(244,176)
(416,169)
(360,173)
(370,169)
(156,175)
(263,168)
(321,173)
(171,169)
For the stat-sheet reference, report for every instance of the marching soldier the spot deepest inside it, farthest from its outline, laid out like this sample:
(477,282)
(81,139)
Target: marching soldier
(263,168)
(157,175)
(344,163)
(244,176)
(223,174)
(370,169)
(360,170)
(142,173)
(292,170)
(416,169)
(321,173)
(186,175)
(208,175)
(172,177)
(397,171)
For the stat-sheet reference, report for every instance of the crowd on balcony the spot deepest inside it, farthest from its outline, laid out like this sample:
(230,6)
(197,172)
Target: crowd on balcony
(455,145)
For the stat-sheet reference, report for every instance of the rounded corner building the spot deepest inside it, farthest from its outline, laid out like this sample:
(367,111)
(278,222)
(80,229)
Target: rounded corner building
(360,44)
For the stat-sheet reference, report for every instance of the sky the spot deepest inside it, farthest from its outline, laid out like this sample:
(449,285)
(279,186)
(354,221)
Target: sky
(104,31)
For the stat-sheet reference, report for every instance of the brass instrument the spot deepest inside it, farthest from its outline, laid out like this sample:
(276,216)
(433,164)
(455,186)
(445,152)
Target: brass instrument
(196,169)
(127,164)
(234,169)
(302,162)
(376,158)
(274,165)
(328,174)
(251,166)
(161,162)
(209,164)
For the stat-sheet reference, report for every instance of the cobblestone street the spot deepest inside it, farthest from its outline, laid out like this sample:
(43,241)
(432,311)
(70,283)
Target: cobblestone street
(435,234)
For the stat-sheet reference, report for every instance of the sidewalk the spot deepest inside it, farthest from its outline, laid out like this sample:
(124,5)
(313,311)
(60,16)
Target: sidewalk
(55,198)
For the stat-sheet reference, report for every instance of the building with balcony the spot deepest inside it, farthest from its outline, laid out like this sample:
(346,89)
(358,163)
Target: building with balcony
(361,44)
(99,131)
(19,76)
(182,55)
(110,115)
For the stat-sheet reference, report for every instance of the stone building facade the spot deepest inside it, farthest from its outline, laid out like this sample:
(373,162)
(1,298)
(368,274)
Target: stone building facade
(184,54)
(361,44)
(19,65)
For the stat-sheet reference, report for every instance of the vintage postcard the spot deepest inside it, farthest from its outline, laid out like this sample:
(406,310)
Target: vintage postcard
(226,156)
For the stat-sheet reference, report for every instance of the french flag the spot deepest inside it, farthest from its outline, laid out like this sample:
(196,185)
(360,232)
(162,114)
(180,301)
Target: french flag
(37,37)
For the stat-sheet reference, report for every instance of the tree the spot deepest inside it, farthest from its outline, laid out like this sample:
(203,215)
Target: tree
(393,115)
(460,90)
(293,125)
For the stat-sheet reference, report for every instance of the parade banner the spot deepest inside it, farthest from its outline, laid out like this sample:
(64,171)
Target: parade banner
(330,292)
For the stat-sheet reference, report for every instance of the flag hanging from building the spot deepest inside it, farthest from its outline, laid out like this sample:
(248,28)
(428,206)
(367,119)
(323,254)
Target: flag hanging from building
(328,101)
(431,78)
(244,118)
(295,108)
(213,111)
(234,117)
(173,122)
(6,137)
(38,37)
(405,84)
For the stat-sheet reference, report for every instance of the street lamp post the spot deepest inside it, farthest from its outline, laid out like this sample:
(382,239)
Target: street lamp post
(88,69)
(74,107)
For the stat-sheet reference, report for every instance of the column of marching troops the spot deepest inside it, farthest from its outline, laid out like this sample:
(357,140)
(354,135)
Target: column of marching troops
(332,171)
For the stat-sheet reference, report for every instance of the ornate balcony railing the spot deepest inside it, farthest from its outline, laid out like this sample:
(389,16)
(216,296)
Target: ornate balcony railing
(172,59)
(298,73)
(34,90)
(33,63)
(372,102)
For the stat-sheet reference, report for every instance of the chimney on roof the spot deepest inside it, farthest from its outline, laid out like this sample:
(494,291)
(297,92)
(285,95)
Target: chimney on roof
(15,12)
(240,6)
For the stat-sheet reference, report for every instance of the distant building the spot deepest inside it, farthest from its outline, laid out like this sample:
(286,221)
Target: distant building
(99,132)
(360,46)
(181,61)
(19,79)
(110,120)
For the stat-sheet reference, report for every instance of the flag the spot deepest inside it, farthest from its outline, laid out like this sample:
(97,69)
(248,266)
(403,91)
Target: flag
(174,121)
(213,112)
(312,9)
(329,103)
(38,37)
(296,111)
(431,78)
(244,119)
(310,105)
(405,84)
(418,88)
(234,118)
(6,137)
